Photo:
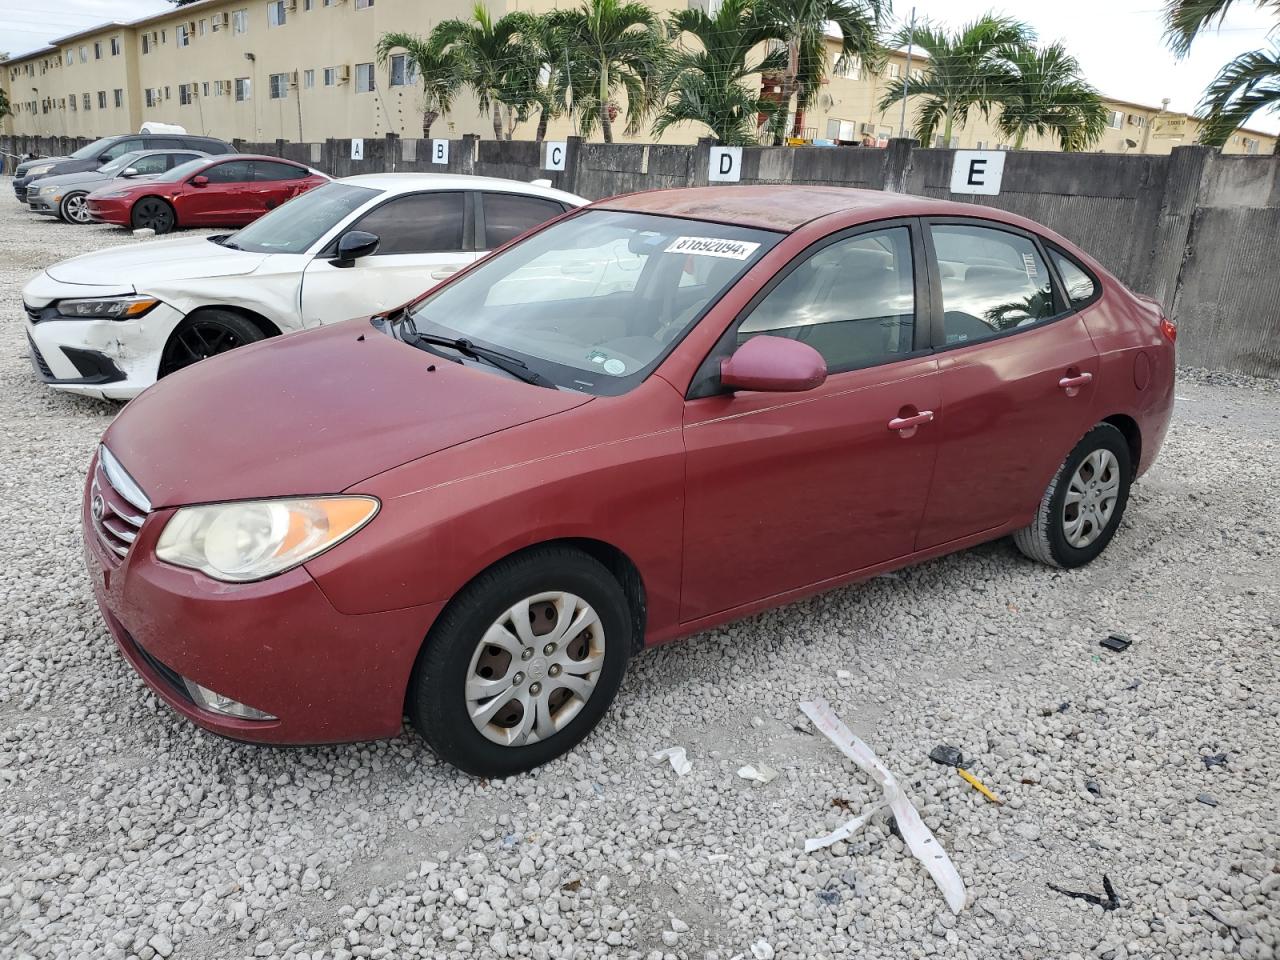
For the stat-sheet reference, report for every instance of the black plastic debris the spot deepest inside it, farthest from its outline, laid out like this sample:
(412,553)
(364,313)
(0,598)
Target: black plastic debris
(1118,642)
(829,897)
(1217,760)
(1207,800)
(947,756)
(1092,787)
(1109,902)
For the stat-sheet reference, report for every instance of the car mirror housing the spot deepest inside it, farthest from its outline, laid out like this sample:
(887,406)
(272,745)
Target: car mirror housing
(199,181)
(129,172)
(353,245)
(773,365)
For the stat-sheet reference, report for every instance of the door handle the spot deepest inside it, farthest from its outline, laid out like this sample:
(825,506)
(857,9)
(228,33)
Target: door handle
(907,425)
(442,273)
(1072,384)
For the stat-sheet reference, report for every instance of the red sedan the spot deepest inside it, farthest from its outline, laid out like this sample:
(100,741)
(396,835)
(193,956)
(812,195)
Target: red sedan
(225,191)
(654,415)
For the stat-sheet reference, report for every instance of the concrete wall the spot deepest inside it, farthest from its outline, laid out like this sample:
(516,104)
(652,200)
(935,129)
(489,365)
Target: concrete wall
(1197,230)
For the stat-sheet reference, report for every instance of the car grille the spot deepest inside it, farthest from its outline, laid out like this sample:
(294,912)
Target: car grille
(32,312)
(37,358)
(116,521)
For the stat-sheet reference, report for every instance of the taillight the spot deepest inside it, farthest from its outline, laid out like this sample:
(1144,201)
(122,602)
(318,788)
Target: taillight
(1169,329)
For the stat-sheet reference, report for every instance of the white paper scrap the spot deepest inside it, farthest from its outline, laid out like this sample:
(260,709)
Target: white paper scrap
(760,774)
(843,832)
(920,840)
(679,760)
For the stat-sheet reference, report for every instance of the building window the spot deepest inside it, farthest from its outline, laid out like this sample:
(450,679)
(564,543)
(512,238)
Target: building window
(1251,145)
(183,34)
(278,86)
(1117,119)
(308,79)
(306,4)
(205,89)
(97,49)
(87,101)
(404,71)
(202,26)
(146,46)
(185,94)
(894,71)
(242,88)
(71,58)
(363,4)
(1137,120)
(240,21)
(115,46)
(219,88)
(364,78)
(275,13)
(164,36)
(84,54)
(73,102)
(849,68)
(166,93)
(102,99)
(150,97)
(118,93)
(330,76)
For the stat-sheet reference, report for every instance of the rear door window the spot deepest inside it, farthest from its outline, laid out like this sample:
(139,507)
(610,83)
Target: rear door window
(233,171)
(123,147)
(268,170)
(418,223)
(1078,285)
(150,164)
(507,215)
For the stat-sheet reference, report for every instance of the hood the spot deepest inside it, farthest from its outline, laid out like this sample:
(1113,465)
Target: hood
(157,261)
(22,168)
(314,412)
(66,165)
(81,176)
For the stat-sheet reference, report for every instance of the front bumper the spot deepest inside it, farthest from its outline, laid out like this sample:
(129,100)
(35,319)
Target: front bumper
(20,188)
(110,211)
(38,204)
(277,645)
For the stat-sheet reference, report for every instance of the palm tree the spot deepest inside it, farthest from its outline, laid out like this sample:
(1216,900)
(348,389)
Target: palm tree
(493,58)
(704,83)
(549,38)
(4,105)
(616,46)
(802,25)
(964,71)
(1045,93)
(1246,85)
(439,70)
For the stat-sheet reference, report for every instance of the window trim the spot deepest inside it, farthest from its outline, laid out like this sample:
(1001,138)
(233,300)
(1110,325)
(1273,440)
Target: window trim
(480,233)
(1062,307)
(1053,248)
(330,249)
(706,380)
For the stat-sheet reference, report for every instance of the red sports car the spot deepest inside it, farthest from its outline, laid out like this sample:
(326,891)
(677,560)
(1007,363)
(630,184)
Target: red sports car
(655,414)
(224,191)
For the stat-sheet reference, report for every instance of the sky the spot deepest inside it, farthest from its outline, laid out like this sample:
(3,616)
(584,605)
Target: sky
(1118,42)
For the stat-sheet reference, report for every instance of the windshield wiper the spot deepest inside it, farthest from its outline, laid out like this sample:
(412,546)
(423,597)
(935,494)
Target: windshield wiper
(224,240)
(503,361)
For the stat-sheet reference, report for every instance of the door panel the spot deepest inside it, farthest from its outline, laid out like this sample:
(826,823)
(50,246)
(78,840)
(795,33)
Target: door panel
(372,284)
(783,491)
(221,201)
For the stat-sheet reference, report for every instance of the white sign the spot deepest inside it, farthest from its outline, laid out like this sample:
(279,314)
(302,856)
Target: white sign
(357,149)
(713,247)
(439,151)
(726,165)
(978,171)
(553,157)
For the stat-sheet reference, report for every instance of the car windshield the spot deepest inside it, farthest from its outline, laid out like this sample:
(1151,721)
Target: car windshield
(298,224)
(92,150)
(593,303)
(120,162)
(182,170)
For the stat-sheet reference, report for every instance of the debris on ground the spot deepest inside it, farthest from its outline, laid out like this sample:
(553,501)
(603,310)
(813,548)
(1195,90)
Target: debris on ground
(1109,902)
(1118,642)
(843,675)
(762,950)
(679,759)
(1207,800)
(978,785)
(947,756)
(1092,787)
(918,838)
(840,803)
(1216,760)
(760,774)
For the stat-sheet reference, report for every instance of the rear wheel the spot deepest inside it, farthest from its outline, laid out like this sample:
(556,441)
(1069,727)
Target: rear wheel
(206,334)
(74,209)
(523,663)
(153,213)
(1082,508)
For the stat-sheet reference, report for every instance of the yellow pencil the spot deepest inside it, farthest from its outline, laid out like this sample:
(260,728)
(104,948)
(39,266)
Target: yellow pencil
(977,785)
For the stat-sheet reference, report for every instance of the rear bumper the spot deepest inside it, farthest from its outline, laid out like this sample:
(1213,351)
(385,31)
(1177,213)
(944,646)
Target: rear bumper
(277,645)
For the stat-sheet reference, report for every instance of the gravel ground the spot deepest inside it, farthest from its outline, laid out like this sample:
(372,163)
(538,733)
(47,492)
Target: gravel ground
(125,832)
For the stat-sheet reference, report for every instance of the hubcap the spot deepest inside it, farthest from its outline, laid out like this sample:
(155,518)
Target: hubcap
(153,215)
(1091,498)
(511,712)
(77,209)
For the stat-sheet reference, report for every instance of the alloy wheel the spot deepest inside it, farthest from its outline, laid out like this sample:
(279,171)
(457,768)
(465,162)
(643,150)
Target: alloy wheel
(152,214)
(198,340)
(1091,498)
(535,668)
(76,209)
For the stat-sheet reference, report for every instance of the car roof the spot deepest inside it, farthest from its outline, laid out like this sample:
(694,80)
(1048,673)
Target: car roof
(154,150)
(223,157)
(786,207)
(409,182)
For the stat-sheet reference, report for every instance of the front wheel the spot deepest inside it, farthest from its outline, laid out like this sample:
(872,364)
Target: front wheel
(206,334)
(1084,503)
(74,209)
(153,213)
(523,663)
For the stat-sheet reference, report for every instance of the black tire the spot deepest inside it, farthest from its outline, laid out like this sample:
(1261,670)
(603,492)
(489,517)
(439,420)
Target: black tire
(204,334)
(153,213)
(1046,539)
(72,209)
(437,704)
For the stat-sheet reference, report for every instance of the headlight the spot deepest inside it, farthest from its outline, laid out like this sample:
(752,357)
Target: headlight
(108,308)
(255,539)
(38,171)
(115,195)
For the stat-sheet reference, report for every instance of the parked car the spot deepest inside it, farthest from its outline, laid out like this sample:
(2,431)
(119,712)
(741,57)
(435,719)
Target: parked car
(95,154)
(64,195)
(165,304)
(477,508)
(209,192)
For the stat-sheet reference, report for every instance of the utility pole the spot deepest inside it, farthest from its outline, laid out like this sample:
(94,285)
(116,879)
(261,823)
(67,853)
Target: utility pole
(906,80)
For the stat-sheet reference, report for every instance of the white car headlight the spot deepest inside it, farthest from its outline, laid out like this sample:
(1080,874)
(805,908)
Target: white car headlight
(255,539)
(106,308)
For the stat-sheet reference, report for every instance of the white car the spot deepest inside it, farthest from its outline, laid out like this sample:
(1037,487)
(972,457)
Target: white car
(109,324)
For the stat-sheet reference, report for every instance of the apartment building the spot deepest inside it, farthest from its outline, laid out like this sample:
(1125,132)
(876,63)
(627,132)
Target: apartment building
(306,70)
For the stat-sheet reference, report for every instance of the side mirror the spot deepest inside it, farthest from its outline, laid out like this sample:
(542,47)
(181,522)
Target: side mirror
(199,181)
(773,365)
(353,245)
(129,172)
